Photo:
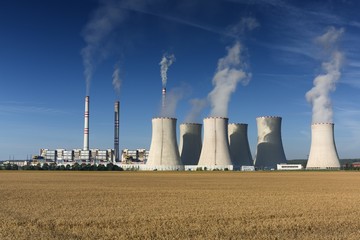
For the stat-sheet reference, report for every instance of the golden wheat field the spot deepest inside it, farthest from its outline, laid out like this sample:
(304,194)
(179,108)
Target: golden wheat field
(179,205)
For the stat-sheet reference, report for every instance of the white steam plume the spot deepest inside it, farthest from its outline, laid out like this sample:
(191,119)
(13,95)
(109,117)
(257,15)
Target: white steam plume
(165,63)
(197,105)
(230,72)
(107,17)
(172,99)
(319,95)
(116,81)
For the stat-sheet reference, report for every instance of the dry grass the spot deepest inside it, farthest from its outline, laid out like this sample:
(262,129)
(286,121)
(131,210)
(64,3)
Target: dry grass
(179,205)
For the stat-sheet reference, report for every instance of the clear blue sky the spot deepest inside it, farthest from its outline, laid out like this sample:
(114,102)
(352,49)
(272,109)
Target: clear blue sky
(42,73)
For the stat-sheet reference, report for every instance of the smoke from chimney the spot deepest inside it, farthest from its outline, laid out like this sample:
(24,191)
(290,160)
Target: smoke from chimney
(165,63)
(319,95)
(116,80)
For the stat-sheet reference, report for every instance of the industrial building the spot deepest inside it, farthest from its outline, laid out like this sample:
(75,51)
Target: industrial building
(75,155)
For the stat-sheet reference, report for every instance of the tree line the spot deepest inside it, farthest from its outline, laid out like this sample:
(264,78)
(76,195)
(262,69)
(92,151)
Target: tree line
(68,167)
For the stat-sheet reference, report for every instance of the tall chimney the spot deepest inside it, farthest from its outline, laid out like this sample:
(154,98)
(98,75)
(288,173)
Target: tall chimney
(323,154)
(116,131)
(163,98)
(86,125)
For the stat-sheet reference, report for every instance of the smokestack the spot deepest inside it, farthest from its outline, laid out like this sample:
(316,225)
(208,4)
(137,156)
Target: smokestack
(116,131)
(164,149)
(239,145)
(270,151)
(323,154)
(215,150)
(190,143)
(163,98)
(86,124)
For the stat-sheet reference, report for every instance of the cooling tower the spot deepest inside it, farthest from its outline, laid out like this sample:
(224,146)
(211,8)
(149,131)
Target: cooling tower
(239,145)
(323,154)
(86,124)
(270,151)
(215,150)
(116,130)
(164,149)
(190,143)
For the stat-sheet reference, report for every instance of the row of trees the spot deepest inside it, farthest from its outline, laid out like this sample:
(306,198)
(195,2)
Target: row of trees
(68,167)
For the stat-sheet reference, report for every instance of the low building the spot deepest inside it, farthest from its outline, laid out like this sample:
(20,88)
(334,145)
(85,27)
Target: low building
(289,167)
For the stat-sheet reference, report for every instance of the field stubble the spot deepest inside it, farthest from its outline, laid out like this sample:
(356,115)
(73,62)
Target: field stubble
(179,205)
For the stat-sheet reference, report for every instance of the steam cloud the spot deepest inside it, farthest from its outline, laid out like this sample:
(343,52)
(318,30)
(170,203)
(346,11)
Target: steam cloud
(165,63)
(319,95)
(229,73)
(116,80)
(96,33)
(197,105)
(172,99)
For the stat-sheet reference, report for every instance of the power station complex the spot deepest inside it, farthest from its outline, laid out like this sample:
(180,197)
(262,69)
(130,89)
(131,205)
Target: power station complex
(224,146)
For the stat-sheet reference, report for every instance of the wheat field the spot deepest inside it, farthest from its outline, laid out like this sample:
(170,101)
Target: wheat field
(179,205)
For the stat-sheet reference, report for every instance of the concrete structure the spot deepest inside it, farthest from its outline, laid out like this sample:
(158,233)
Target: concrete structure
(86,124)
(289,167)
(116,131)
(269,151)
(323,154)
(239,145)
(190,143)
(215,150)
(164,149)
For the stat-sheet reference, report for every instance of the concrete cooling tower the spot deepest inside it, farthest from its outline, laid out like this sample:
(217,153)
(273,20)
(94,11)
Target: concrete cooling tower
(164,152)
(239,145)
(190,143)
(270,151)
(86,125)
(215,150)
(323,154)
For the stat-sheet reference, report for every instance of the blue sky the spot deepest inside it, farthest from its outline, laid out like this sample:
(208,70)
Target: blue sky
(43,84)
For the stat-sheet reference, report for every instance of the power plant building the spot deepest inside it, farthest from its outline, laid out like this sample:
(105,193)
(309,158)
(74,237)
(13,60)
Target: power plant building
(164,152)
(190,143)
(215,150)
(323,153)
(269,151)
(239,145)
